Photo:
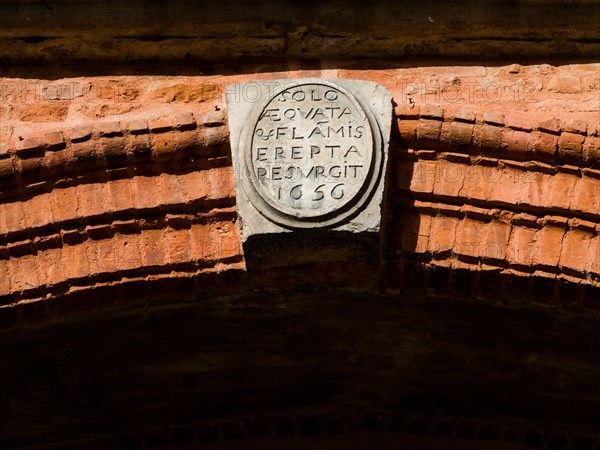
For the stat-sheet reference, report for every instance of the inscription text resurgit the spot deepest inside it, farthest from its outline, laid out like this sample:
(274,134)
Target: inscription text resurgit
(312,150)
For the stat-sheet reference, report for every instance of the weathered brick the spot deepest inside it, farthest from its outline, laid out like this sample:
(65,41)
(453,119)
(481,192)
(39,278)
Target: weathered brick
(515,144)
(190,142)
(178,221)
(185,120)
(137,126)
(570,147)
(548,246)
(228,236)
(38,211)
(519,121)
(490,138)
(71,236)
(215,138)
(85,154)
(423,176)
(415,233)
(432,111)
(574,251)
(76,260)
(591,150)
(53,139)
(565,84)
(120,194)
(536,189)
(111,128)
(222,183)
(106,256)
(481,181)
(165,145)
(196,186)
(493,118)
(470,238)
(528,220)
(139,144)
(114,149)
(127,249)
(28,146)
(32,170)
(88,199)
(461,134)
(23,272)
(202,245)
(408,129)
(50,266)
(594,263)
(146,192)
(443,234)
(465,115)
(214,119)
(428,132)
(81,133)
(563,186)
(449,178)
(521,246)
(19,248)
(509,186)
(152,249)
(587,198)
(57,162)
(551,126)
(178,246)
(407,111)
(576,126)
(497,240)
(544,147)
(127,226)
(7,169)
(12,217)
(104,192)
(98,232)
(4,277)
(171,188)
(160,125)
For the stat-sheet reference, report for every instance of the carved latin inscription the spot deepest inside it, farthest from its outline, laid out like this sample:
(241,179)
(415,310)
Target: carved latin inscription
(312,151)
(309,153)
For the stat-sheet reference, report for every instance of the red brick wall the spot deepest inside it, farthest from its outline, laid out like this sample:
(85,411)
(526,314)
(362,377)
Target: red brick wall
(120,180)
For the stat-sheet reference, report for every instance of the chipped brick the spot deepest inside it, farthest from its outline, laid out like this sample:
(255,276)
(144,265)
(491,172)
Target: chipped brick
(551,126)
(406,111)
(185,121)
(54,139)
(493,118)
(28,146)
(465,115)
(576,126)
(213,119)
(160,125)
(81,133)
(137,127)
(461,134)
(432,112)
(109,128)
(570,148)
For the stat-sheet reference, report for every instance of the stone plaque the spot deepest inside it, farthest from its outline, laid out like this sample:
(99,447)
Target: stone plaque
(308,153)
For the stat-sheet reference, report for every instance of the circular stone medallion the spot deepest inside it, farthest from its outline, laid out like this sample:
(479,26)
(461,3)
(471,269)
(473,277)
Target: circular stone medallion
(315,154)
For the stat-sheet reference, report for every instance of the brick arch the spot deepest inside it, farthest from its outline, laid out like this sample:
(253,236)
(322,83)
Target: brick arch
(126,203)
(152,220)
(116,203)
(495,196)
